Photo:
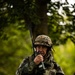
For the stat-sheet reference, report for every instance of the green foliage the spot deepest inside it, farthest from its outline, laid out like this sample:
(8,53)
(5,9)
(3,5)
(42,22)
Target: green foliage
(15,44)
(65,56)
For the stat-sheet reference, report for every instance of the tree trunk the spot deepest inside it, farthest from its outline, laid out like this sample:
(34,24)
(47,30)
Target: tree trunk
(41,13)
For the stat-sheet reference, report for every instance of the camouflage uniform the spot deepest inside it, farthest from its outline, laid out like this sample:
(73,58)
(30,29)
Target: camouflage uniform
(28,67)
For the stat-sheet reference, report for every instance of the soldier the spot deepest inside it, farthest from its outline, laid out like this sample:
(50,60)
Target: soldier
(41,62)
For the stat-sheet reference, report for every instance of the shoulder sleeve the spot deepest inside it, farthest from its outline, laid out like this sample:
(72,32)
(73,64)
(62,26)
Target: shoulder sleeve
(26,67)
(58,69)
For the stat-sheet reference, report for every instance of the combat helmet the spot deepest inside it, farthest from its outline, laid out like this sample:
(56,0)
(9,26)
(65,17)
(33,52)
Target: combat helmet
(43,40)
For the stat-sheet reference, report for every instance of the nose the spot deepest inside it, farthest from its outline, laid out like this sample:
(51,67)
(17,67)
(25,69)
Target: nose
(41,48)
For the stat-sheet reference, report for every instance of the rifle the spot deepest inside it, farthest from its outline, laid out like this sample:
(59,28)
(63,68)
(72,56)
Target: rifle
(42,67)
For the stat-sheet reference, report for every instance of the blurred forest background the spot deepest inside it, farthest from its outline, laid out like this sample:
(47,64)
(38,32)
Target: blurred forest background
(15,38)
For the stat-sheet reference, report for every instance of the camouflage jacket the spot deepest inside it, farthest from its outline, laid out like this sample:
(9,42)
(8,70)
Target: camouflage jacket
(28,67)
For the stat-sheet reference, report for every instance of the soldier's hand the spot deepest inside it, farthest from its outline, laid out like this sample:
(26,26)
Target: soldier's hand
(38,59)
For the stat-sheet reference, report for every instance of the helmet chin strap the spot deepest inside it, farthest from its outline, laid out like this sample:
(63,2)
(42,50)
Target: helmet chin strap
(48,57)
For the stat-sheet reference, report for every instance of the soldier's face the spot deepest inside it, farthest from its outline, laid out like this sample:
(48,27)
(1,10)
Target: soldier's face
(42,50)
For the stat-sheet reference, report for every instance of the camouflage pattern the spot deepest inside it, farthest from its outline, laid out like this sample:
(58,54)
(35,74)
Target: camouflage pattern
(43,40)
(28,67)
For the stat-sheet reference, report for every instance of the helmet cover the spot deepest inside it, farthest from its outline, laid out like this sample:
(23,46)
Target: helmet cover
(43,40)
